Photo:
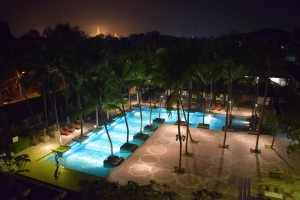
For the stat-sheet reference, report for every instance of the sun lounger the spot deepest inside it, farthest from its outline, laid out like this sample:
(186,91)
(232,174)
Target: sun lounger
(66,128)
(219,108)
(71,128)
(64,132)
(76,126)
(212,107)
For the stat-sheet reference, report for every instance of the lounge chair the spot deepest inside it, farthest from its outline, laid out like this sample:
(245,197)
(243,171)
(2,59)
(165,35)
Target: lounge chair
(66,128)
(213,107)
(71,128)
(76,126)
(219,107)
(64,132)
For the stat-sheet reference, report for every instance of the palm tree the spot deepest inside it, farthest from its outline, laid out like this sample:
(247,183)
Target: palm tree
(34,60)
(120,80)
(265,55)
(140,135)
(263,107)
(188,119)
(138,76)
(198,77)
(75,63)
(149,95)
(190,52)
(159,119)
(227,119)
(98,95)
(207,72)
(171,70)
(44,60)
(55,47)
(228,54)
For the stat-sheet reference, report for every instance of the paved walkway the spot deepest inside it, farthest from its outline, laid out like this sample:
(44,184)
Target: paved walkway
(212,167)
(209,167)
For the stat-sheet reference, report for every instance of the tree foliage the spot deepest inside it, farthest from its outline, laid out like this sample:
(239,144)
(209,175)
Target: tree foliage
(102,189)
(205,194)
(14,164)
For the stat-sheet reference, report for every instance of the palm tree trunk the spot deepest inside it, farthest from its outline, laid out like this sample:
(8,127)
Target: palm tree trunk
(80,110)
(203,114)
(263,106)
(45,106)
(255,104)
(140,109)
(188,129)
(107,114)
(188,122)
(274,136)
(110,142)
(137,96)
(126,122)
(55,111)
(97,120)
(179,134)
(227,107)
(229,95)
(129,99)
(160,106)
(225,127)
(211,95)
(150,118)
(66,100)
(254,98)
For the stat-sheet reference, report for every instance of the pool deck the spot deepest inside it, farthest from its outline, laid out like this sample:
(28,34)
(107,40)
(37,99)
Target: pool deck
(226,170)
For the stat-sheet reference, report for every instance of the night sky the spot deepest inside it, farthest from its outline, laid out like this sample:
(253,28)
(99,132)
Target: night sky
(201,18)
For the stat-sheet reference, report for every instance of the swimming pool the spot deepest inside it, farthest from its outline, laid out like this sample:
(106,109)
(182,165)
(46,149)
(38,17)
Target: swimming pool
(88,156)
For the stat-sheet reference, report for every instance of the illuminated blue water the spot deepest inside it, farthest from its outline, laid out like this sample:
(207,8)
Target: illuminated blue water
(88,156)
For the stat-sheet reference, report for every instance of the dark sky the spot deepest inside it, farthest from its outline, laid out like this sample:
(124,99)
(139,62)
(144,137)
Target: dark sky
(202,18)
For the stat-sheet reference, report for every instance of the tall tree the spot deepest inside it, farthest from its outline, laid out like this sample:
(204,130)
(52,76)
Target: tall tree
(75,63)
(173,76)
(98,94)
(121,80)
(228,54)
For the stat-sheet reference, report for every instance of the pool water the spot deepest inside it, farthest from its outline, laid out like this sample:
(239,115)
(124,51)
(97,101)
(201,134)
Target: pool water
(88,156)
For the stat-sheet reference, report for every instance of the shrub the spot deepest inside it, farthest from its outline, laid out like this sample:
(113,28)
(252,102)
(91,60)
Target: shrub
(102,189)
(205,194)
(23,143)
